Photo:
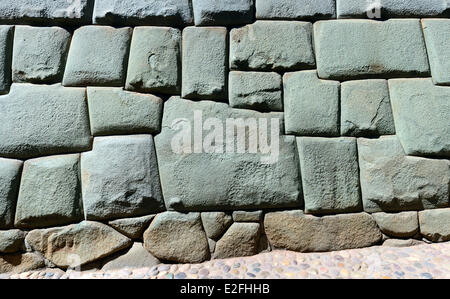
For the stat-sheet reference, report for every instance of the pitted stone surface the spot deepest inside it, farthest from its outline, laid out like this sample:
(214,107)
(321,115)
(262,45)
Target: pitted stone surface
(295,9)
(10,172)
(12,241)
(435,224)
(401,225)
(222,13)
(133,228)
(6,45)
(215,223)
(241,239)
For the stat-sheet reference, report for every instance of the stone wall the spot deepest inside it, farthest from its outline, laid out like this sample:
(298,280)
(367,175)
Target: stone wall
(98,167)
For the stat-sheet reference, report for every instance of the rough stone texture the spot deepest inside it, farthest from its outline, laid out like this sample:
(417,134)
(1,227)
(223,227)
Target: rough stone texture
(10,172)
(366,109)
(212,245)
(208,181)
(177,237)
(421,113)
(114,111)
(438,46)
(97,56)
(353,49)
(39,54)
(329,171)
(6,45)
(400,225)
(295,231)
(134,258)
(143,12)
(133,228)
(245,216)
(272,45)
(435,224)
(155,60)
(256,90)
(311,105)
(222,13)
(402,243)
(295,9)
(241,239)
(50,192)
(215,223)
(40,120)
(393,182)
(120,178)
(19,263)
(12,241)
(204,68)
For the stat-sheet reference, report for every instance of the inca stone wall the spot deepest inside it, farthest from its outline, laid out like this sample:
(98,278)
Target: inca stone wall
(116,151)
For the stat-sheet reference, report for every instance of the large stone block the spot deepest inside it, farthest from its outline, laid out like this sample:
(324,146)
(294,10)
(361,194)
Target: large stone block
(399,225)
(120,178)
(435,224)
(204,68)
(6,45)
(311,105)
(40,120)
(97,56)
(421,115)
(353,49)
(394,182)
(330,176)
(272,45)
(10,172)
(295,9)
(222,13)
(241,239)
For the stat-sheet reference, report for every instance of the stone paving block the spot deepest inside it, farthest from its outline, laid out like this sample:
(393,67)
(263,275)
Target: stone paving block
(222,13)
(295,9)
(10,172)
(311,104)
(39,54)
(400,225)
(6,48)
(97,56)
(435,224)
(241,239)
(362,49)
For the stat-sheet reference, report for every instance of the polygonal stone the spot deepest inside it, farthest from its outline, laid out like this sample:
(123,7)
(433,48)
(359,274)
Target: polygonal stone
(120,178)
(6,49)
(222,13)
(12,241)
(435,224)
(114,111)
(133,228)
(10,172)
(19,263)
(135,258)
(329,171)
(272,45)
(241,239)
(215,223)
(311,105)
(358,49)
(400,225)
(295,9)
(41,120)
(97,56)
(246,216)
(402,243)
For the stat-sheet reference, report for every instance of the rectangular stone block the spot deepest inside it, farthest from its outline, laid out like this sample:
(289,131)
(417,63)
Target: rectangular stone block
(10,172)
(295,9)
(222,13)
(6,45)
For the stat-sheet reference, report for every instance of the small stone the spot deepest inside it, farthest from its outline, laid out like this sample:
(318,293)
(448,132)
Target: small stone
(400,225)
(133,228)
(402,243)
(12,241)
(215,223)
(135,258)
(295,9)
(435,224)
(247,216)
(6,50)
(241,239)
(212,245)
(19,263)
(438,48)
(180,275)
(10,174)
(222,13)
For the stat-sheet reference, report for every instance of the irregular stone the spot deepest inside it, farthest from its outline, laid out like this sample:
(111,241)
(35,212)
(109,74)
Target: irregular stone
(134,258)
(12,241)
(435,224)
(215,177)
(39,54)
(292,230)
(77,244)
(402,243)
(222,13)
(177,237)
(120,178)
(272,45)
(394,182)
(418,107)
(246,216)
(19,263)
(155,60)
(329,171)
(6,49)
(133,228)
(10,173)
(59,125)
(366,109)
(358,49)
(295,9)
(241,239)
(256,90)
(97,56)
(311,105)
(204,63)
(400,225)
(215,223)
(113,111)
(212,245)
(50,192)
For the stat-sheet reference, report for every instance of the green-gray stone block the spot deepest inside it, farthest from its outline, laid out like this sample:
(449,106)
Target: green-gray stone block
(222,13)
(6,45)
(435,225)
(10,172)
(295,9)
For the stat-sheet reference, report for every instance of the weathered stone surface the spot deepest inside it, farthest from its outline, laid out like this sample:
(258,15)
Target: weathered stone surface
(311,105)
(435,224)
(421,113)
(212,245)
(120,178)
(272,45)
(204,71)
(19,263)
(366,109)
(215,223)
(6,47)
(329,171)
(39,54)
(97,56)
(133,228)
(256,90)
(40,120)
(143,12)
(10,172)
(393,182)
(354,49)
(77,244)
(177,237)
(214,178)
(400,225)
(155,60)
(50,192)
(241,239)
(12,241)
(295,9)
(222,13)
(246,216)
(134,258)
(402,243)
(438,46)
(114,111)
(295,231)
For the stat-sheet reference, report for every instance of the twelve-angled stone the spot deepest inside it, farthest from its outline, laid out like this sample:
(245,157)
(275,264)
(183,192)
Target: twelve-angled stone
(6,45)
(222,13)
(295,9)
(10,172)
(436,32)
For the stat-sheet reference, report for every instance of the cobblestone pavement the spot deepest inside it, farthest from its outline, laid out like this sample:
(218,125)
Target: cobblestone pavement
(423,261)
